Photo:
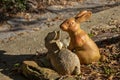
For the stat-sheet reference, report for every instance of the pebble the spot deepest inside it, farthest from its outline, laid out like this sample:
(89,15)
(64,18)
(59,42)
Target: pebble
(36,29)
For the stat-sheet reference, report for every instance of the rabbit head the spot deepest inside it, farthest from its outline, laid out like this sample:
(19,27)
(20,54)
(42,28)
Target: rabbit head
(56,40)
(73,24)
(52,41)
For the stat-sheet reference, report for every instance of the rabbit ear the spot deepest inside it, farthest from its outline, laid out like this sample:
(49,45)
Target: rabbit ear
(57,35)
(83,16)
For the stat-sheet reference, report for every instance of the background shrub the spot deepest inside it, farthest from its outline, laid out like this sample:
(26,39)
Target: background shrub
(12,5)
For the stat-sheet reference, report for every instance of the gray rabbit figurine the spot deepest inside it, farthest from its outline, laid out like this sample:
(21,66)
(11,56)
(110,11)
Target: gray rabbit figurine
(63,60)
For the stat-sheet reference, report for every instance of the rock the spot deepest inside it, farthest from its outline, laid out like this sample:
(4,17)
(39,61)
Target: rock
(106,37)
(4,27)
(36,29)
(55,7)
(32,70)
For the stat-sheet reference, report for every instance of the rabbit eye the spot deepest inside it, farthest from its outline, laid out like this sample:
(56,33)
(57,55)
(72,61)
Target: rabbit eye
(72,23)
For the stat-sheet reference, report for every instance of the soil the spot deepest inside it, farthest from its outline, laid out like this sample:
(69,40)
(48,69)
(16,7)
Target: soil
(23,39)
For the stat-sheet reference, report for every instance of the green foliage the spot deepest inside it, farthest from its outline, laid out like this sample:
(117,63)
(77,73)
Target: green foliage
(91,35)
(17,65)
(13,5)
(107,70)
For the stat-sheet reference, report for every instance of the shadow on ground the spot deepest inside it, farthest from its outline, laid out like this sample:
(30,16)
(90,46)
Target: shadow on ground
(19,24)
(9,64)
(94,9)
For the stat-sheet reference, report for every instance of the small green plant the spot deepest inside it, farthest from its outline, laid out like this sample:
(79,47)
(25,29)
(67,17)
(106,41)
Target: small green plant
(17,65)
(107,70)
(91,35)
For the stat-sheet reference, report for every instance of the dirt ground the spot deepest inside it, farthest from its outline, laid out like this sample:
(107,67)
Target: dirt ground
(16,46)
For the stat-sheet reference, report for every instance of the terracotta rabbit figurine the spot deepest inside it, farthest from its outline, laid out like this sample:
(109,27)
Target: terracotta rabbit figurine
(80,42)
(62,59)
